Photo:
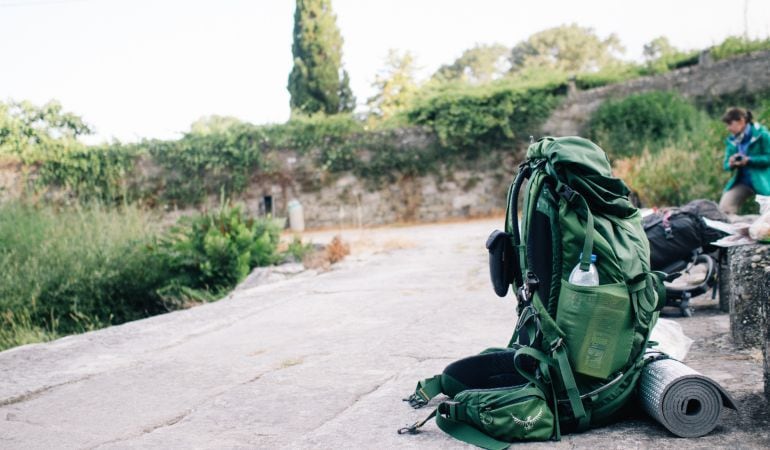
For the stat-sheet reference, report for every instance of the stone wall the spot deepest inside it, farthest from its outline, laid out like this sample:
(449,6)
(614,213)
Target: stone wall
(350,201)
(747,73)
(748,266)
(330,199)
(748,288)
(345,200)
(766,344)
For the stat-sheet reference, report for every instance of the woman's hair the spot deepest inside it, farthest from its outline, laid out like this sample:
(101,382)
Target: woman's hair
(733,114)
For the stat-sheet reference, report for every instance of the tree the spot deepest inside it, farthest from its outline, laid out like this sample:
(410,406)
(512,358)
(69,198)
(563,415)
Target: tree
(347,99)
(480,64)
(660,47)
(25,127)
(316,82)
(567,48)
(213,124)
(661,56)
(395,85)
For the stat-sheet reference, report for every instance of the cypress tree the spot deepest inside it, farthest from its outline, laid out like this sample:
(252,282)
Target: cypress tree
(316,82)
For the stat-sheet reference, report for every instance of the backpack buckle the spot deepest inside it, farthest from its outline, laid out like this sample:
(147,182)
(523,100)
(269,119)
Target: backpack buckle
(448,408)
(567,193)
(416,401)
(556,344)
(411,429)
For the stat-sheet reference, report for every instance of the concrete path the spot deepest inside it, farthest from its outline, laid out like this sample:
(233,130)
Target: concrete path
(316,361)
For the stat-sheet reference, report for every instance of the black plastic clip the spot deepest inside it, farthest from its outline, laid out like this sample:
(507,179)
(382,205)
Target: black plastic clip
(411,429)
(567,193)
(532,283)
(556,344)
(416,401)
(446,408)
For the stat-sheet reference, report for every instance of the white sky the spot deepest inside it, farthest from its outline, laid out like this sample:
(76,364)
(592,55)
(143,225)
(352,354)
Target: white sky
(144,68)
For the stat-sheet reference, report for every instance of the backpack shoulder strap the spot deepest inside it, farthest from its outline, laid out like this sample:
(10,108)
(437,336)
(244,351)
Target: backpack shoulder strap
(511,220)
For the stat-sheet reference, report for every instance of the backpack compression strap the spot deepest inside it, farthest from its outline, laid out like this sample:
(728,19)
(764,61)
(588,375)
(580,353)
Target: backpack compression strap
(560,362)
(572,196)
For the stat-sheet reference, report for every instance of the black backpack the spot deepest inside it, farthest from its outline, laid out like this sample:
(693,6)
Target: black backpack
(679,234)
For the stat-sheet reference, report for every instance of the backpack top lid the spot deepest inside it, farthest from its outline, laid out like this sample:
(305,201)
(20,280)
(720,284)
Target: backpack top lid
(584,167)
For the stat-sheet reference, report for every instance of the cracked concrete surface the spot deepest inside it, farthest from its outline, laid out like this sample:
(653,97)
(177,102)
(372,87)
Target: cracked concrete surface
(316,361)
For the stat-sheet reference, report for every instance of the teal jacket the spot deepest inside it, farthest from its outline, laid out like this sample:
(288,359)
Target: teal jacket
(759,160)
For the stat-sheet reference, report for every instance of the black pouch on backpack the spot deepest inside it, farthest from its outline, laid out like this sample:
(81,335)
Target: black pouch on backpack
(500,261)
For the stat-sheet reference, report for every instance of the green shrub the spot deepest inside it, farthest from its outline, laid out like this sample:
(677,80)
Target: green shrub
(298,249)
(651,120)
(737,45)
(303,133)
(74,270)
(202,164)
(683,170)
(70,271)
(97,173)
(471,120)
(609,75)
(208,254)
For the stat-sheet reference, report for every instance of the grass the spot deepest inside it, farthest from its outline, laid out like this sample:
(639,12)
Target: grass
(69,271)
(65,271)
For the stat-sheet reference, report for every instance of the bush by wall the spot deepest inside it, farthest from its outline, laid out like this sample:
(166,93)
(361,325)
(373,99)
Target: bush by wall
(627,126)
(684,169)
(207,255)
(73,270)
(476,119)
(737,45)
(65,271)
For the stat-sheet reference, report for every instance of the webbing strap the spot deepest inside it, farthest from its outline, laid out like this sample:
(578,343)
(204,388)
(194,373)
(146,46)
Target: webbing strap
(538,356)
(512,225)
(557,426)
(571,196)
(466,433)
(458,430)
(568,379)
(588,244)
(528,324)
(509,221)
(426,389)
(657,280)
(546,363)
(412,429)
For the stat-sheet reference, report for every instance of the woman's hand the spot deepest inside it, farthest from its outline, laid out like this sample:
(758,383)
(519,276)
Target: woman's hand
(738,160)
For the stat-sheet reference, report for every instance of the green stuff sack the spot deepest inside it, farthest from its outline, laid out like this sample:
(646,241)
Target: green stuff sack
(506,415)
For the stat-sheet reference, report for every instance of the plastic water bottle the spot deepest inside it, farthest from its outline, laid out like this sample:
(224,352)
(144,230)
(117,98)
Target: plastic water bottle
(588,277)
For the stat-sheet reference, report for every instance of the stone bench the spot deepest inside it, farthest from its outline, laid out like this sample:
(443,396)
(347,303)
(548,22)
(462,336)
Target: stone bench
(745,280)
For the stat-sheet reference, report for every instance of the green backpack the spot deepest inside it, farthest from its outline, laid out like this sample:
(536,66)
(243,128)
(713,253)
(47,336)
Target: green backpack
(577,351)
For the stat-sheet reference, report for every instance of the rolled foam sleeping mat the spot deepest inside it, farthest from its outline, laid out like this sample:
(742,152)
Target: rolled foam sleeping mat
(687,403)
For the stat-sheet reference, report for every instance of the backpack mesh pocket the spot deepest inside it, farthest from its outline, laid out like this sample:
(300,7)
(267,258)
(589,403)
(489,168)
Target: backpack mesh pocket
(597,321)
